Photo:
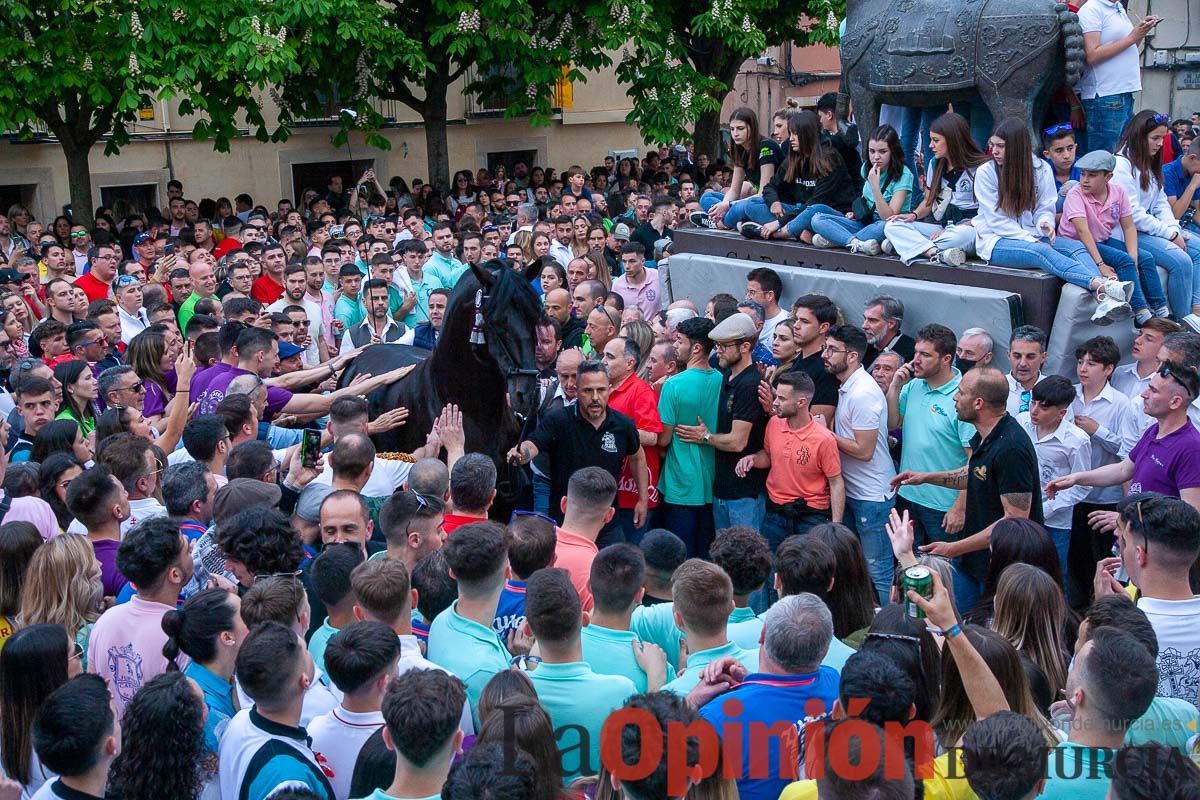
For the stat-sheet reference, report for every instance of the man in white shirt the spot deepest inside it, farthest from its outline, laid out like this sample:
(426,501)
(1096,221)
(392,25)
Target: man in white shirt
(379,325)
(128,293)
(860,426)
(1026,355)
(133,463)
(560,241)
(360,659)
(764,286)
(1132,379)
(1160,541)
(1113,70)
(1062,448)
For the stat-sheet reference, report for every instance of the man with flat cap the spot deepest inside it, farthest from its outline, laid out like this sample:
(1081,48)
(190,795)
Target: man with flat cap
(741,423)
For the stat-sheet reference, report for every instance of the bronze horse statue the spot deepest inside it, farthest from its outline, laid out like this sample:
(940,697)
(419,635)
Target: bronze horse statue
(483,363)
(1013,53)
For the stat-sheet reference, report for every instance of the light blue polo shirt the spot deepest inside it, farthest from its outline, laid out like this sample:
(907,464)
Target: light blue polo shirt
(696,662)
(933,437)
(471,651)
(657,624)
(442,272)
(578,701)
(218,696)
(744,628)
(1086,779)
(318,643)
(610,652)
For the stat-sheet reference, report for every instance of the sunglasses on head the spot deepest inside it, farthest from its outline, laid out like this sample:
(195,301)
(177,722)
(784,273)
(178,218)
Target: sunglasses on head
(1187,378)
(1060,128)
(516,514)
(1162,119)
(125,281)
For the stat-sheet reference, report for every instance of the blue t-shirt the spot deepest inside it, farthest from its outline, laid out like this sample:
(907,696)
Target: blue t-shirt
(1175,178)
(510,611)
(771,699)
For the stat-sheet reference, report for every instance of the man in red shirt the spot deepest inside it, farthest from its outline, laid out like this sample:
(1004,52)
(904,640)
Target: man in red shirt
(269,286)
(232,227)
(97,283)
(634,398)
(472,490)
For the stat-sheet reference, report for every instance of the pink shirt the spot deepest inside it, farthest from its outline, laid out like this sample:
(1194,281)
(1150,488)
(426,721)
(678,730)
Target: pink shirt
(1101,217)
(125,648)
(575,554)
(646,295)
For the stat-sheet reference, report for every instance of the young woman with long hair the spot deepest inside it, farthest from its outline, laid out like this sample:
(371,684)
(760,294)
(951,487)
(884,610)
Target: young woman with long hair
(886,192)
(1139,173)
(813,178)
(954,713)
(1031,613)
(61,436)
(163,752)
(79,394)
(579,235)
(553,276)
(18,542)
(524,722)
(784,348)
(755,159)
(639,331)
(1013,540)
(208,629)
(910,644)
(940,228)
(853,604)
(55,475)
(1015,226)
(63,587)
(462,191)
(147,354)
(35,661)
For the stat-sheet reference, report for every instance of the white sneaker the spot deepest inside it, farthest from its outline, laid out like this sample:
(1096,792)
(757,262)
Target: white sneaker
(1110,307)
(951,256)
(1193,322)
(1142,317)
(1162,312)
(1119,289)
(887,247)
(871,246)
(821,241)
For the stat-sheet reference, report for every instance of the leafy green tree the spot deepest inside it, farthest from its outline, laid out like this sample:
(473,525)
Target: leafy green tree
(82,68)
(683,55)
(415,51)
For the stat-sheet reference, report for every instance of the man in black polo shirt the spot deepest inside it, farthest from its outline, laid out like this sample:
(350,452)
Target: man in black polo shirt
(588,434)
(1001,479)
(814,315)
(741,423)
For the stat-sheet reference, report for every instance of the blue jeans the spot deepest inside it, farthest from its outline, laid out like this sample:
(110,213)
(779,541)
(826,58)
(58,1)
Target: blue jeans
(804,220)
(927,522)
(633,535)
(1020,254)
(746,511)
(775,528)
(737,209)
(541,494)
(1062,542)
(868,519)
(966,588)
(760,212)
(916,123)
(840,229)
(1180,271)
(1149,286)
(1119,260)
(979,117)
(692,524)
(1106,117)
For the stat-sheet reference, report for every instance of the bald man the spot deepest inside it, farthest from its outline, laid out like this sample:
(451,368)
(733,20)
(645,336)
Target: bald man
(1001,479)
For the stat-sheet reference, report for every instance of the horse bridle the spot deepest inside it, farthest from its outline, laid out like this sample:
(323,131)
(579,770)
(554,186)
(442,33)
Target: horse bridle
(479,339)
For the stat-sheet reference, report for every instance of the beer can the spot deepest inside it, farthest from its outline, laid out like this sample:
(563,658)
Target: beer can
(920,580)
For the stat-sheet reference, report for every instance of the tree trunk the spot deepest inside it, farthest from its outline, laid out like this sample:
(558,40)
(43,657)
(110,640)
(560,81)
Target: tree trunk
(435,127)
(79,179)
(707,134)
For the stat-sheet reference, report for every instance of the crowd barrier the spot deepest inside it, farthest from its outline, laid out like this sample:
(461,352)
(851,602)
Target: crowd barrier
(975,295)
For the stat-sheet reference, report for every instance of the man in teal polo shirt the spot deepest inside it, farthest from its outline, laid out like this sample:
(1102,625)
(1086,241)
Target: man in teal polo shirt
(609,647)
(443,269)
(577,699)
(461,639)
(921,403)
(703,599)
(348,309)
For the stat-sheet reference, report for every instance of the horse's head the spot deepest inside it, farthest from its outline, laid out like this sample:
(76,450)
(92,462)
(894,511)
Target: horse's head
(506,318)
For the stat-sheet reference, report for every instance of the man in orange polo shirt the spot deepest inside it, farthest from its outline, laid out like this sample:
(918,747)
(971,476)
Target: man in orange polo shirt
(472,490)
(587,508)
(804,482)
(634,398)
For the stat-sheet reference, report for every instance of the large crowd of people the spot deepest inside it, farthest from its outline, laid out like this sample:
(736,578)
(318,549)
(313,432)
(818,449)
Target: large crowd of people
(759,534)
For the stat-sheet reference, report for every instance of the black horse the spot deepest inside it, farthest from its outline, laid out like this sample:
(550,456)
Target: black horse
(483,363)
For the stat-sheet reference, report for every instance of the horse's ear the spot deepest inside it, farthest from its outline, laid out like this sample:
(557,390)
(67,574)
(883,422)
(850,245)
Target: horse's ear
(486,273)
(533,269)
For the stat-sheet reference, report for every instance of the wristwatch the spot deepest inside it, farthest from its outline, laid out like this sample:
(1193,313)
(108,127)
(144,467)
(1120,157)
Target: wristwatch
(707,437)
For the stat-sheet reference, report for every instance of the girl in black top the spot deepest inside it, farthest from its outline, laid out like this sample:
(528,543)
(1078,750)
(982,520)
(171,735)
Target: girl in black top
(755,160)
(814,175)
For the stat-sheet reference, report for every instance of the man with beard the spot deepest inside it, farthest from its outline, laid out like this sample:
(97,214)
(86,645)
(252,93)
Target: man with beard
(426,334)
(588,434)
(549,343)
(920,401)
(1001,479)
(634,398)
(882,316)
(295,293)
